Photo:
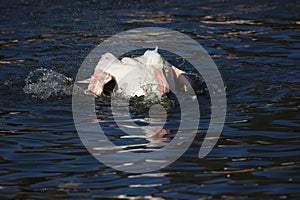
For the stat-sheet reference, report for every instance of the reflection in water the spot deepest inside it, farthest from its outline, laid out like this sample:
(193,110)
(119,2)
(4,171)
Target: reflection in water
(256,49)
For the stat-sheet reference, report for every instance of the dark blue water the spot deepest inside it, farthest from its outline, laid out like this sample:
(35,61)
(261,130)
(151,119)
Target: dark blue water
(256,48)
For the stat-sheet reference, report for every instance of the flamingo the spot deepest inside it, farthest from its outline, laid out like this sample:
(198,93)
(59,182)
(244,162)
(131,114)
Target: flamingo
(137,76)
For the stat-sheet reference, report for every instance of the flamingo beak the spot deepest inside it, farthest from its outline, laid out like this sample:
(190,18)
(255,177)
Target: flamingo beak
(85,81)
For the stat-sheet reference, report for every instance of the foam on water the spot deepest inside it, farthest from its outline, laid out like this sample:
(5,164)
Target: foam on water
(45,84)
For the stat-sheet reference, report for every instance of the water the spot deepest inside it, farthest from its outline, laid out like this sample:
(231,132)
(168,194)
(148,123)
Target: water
(256,48)
(46,84)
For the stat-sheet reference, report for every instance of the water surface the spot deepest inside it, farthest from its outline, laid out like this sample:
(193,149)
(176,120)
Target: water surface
(256,48)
